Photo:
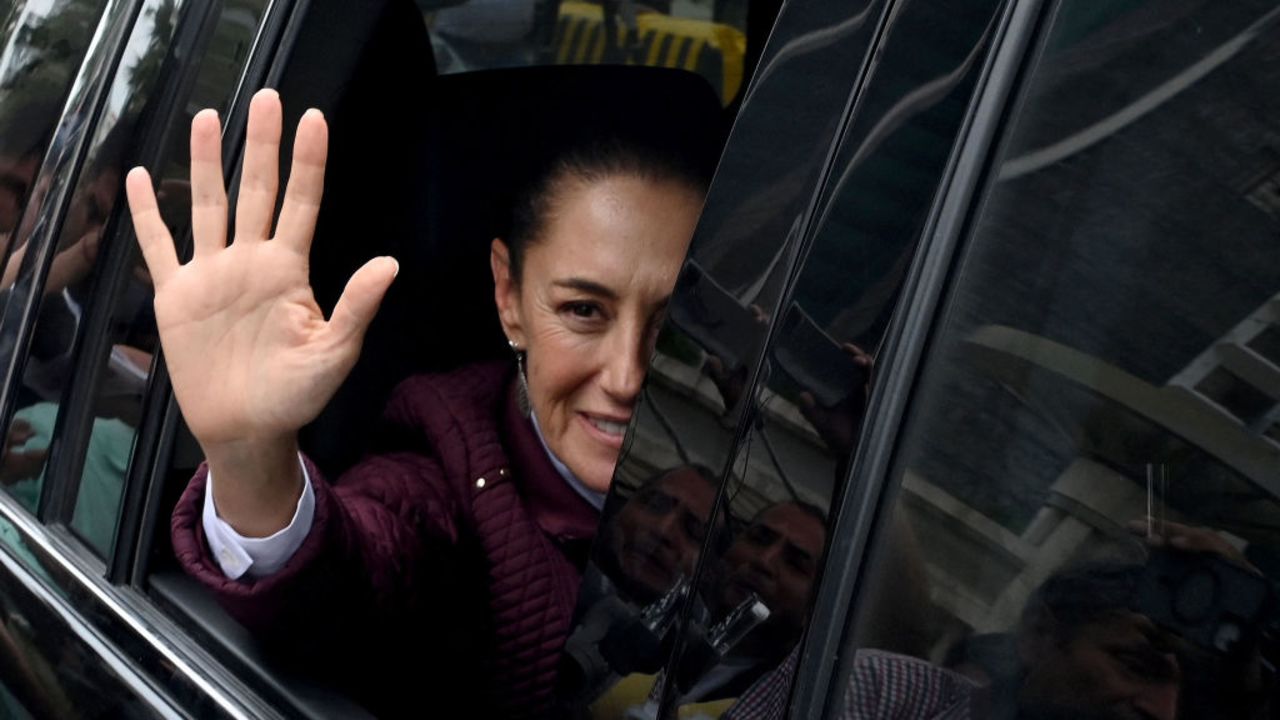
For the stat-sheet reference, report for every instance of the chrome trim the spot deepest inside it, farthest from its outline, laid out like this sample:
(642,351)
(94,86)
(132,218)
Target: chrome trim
(242,94)
(95,644)
(61,558)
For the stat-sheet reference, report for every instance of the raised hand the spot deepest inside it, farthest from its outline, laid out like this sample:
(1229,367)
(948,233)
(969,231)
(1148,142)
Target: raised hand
(839,426)
(250,354)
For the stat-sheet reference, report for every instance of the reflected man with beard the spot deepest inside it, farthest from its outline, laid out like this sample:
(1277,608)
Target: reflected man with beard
(656,537)
(777,558)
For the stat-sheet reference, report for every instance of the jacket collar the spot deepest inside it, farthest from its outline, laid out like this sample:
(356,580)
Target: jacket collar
(555,506)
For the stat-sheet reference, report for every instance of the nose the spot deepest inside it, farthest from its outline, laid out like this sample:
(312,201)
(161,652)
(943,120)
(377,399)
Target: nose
(767,559)
(625,363)
(665,529)
(1158,701)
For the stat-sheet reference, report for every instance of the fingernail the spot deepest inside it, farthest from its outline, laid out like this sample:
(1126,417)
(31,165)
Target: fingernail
(395,269)
(314,111)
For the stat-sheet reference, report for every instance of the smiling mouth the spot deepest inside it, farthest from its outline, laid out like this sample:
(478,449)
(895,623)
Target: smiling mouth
(608,427)
(647,558)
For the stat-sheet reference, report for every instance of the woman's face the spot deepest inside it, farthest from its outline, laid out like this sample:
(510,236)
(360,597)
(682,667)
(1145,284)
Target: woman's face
(588,306)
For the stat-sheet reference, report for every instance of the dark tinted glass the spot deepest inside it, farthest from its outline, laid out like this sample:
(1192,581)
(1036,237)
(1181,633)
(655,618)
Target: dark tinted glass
(808,409)
(47,670)
(41,47)
(1084,507)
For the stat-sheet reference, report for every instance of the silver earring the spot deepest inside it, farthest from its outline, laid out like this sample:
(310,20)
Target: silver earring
(522,395)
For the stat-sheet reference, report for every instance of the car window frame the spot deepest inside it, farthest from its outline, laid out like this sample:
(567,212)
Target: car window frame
(863,514)
(156,434)
(110,619)
(41,223)
(926,256)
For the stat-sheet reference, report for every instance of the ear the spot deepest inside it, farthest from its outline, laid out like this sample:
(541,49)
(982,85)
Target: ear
(506,292)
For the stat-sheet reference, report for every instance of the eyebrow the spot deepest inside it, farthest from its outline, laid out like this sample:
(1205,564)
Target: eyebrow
(798,551)
(587,286)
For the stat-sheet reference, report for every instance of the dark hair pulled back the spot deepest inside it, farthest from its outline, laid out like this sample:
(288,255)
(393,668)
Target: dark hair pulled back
(589,162)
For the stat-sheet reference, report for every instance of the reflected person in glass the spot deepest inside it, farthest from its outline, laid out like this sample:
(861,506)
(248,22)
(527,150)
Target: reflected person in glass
(657,535)
(773,561)
(1096,641)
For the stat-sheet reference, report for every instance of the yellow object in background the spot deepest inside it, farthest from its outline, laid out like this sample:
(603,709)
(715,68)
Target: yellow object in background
(710,49)
(625,701)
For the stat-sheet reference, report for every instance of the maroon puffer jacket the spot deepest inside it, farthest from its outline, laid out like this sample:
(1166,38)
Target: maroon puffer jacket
(442,569)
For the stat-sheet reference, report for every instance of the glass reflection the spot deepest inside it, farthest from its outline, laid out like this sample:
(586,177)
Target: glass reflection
(69,288)
(49,363)
(1089,488)
(755,591)
(132,341)
(45,671)
(41,45)
(810,408)
(656,536)
(643,562)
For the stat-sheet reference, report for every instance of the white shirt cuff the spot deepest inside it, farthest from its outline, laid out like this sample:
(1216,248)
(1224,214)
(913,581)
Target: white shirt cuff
(238,555)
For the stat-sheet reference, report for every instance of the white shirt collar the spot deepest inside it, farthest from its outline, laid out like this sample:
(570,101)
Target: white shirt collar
(595,498)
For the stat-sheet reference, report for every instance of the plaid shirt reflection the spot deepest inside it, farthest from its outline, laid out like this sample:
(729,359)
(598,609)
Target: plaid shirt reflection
(883,686)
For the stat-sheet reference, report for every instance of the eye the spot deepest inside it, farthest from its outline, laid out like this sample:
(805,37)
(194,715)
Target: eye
(583,310)
(800,563)
(760,535)
(661,503)
(693,527)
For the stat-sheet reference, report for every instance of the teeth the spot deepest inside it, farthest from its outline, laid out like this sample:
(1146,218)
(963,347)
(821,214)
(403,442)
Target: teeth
(612,428)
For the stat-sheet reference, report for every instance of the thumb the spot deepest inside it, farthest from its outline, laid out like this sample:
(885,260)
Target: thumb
(363,294)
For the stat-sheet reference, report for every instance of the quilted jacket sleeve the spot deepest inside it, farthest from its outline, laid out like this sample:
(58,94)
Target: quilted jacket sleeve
(388,522)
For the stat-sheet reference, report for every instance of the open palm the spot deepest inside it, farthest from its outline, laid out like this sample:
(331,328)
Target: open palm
(250,354)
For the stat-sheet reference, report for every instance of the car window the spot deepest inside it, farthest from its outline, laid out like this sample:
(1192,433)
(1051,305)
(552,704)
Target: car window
(768,550)
(1085,497)
(96,314)
(708,38)
(41,46)
(47,670)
